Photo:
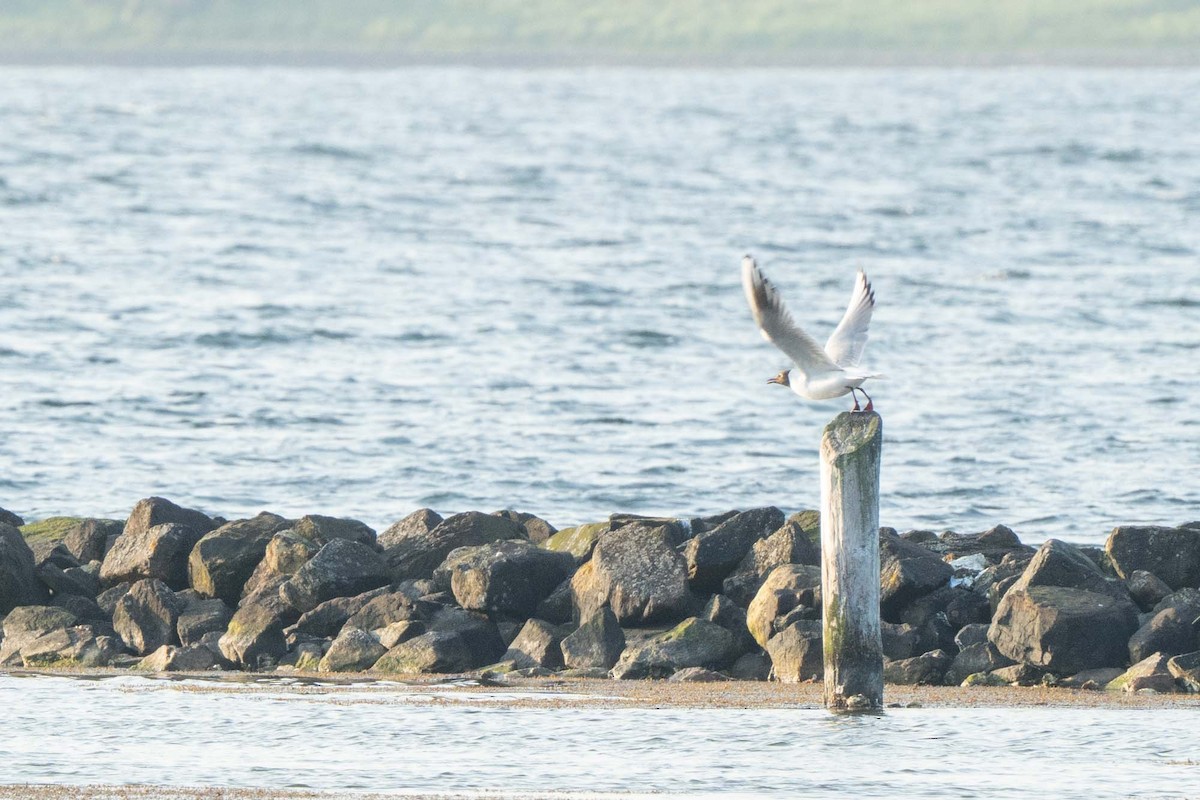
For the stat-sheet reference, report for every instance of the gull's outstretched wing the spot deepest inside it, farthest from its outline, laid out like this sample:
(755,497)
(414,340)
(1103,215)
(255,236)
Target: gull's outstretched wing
(776,323)
(845,345)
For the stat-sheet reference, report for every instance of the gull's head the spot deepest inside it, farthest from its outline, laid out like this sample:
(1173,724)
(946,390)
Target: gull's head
(781,378)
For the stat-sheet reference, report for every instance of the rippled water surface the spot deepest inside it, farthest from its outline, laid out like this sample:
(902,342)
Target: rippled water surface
(136,730)
(363,292)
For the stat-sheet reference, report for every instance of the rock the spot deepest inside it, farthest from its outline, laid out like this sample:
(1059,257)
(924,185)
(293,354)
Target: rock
(85,609)
(398,632)
(1151,672)
(108,599)
(417,554)
(676,530)
(417,524)
(557,607)
(730,616)
(10,519)
(712,555)
(1173,554)
(255,637)
(386,609)
(286,553)
(537,645)
(697,675)
(751,667)
(907,571)
(89,539)
(971,634)
(1146,589)
(354,650)
(327,619)
(199,616)
(341,568)
(19,585)
(223,560)
(785,588)
(74,647)
(1091,678)
(692,643)
(596,644)
(436,651)
(1062,629)
(637,573)
(790,544)
(900,641)
(508,578)
(536,528)
(192,658)
(928,669)
(983,679)
(796,653)
(993,544)
(1058,563)
(980,657)
(71,581)
(1019,675)
(1185,601)
(997,579)
(153,511)
(578,541)
(24,624)
(1185,668)
(145,617)
(479,634)
(159,552)
(322,530)
(959,607)
(305,657)
(1167,632)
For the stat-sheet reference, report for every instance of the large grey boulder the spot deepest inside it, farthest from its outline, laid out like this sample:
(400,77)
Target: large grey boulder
(70,581)
(154,511)
(579,541)
(1153,672)
(1167,632)
(159,552)
(1058,563)
(386,609)
(926,669)
(787,588)
(417,554)
(1146,588)
(327,619)
(145,617)
(342,568)
(791,544)
(24,624)
(993,544)
(480,635)
(797,653)
(980,657)
(354,650)
(694,642)
(74,647)
(596,643)
(322,530)
(1173,554)
(19,585)
(907,571)
(417,524)
(199,616)
(1185,668)
(254,637)
(286,553)
(712,555)
(223,560)
(732,617)
(537,529)
(9,518)
(537,645)
(509,577)
(189,658)
(636,572)
(89,539)
(435,651)
(1063,630)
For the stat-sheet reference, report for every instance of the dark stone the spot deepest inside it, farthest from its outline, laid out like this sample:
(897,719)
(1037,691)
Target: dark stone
(797,654)
(1186,670)
(971,634)
(712,555)
(55,554)
(70,581)
(1061,564)
(993,544)
(787,587)
(435,651)
(24,624)
(788,545)
(732,617)
(417,554)
(536,528)
(928,669)
(504,577)
(751,667)
(190,658)
(1061,629)
(10,519)
(692,643)
(676,530)
(597,643)
(255,635)
(1092,678)
(479,634)
(385,609)
(78,646)
(160,552)
(200,616)
(697,675)
(957,605)
(286,553)
(698,525)
(19,585)
(557,607)
(907,571)
(354,650)
(900,641)
(322,530)
(223,560)
(327,619)
(398,632)
(1146,589)
(89,539)
(154,511)
(1152,672)
(417,524)
(1185,601)
(537,645)
(1167,632)
(342,568)
(146,615)
(1019,675)
(108,599)
(981,657)
(637,573)
(85,609)
(1173,554)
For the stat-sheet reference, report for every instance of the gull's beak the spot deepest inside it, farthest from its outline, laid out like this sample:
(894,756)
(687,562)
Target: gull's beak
(775,379)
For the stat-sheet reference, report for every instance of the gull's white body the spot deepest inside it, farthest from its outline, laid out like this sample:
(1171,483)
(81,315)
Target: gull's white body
(824,373)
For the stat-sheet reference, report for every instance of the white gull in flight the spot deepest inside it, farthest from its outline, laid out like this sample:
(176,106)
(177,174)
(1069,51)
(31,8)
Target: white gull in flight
(824,373)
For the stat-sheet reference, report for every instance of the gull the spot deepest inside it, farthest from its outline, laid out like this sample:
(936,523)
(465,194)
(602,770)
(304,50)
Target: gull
(824,373)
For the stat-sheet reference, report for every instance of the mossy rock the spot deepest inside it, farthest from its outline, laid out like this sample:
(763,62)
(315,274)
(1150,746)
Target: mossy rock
(51,529)
(577,541)
(983,679)
(809,521)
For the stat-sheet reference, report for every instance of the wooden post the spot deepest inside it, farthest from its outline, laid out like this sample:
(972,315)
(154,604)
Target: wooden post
(851,447)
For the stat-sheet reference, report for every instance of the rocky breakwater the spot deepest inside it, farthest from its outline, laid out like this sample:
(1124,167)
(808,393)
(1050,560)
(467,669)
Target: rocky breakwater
(733,596)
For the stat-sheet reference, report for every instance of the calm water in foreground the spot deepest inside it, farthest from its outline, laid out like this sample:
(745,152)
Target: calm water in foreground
(358,293)
(137,730)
